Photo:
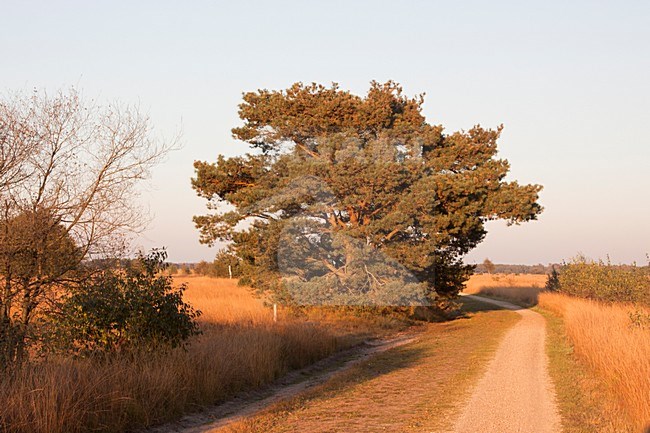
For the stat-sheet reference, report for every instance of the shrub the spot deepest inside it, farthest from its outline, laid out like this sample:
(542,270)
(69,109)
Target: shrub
(553,281)
(604,281)
(120,310)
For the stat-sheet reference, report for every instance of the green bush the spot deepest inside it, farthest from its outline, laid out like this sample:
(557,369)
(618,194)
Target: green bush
(604,281)
(553,280)
(120,310)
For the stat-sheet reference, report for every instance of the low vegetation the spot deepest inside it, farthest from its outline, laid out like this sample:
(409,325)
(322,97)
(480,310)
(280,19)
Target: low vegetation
(613,341)
(241,348)
(604,281)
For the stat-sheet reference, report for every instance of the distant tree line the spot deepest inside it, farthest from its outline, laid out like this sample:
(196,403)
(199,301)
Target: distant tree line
(221,267)
(496,268)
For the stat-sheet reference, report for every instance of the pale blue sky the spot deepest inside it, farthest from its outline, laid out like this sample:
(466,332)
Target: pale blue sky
(569,80)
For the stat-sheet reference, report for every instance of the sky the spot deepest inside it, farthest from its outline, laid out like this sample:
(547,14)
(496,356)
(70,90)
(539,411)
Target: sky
(570,81)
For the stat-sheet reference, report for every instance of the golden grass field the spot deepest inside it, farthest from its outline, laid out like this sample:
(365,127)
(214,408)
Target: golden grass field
(241,348)
(523,288)
(223,301)
(605,339)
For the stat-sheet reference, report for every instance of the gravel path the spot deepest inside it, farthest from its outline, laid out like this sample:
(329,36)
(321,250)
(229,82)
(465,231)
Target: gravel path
(516,393)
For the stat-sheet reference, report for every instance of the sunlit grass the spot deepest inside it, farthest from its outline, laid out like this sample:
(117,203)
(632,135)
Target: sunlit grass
(523,289)
(241,348)
(613,347)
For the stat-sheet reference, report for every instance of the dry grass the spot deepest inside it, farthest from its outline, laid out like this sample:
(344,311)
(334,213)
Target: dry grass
(615,350)
(523,289)
(413,388)
(223,301)
(241,348)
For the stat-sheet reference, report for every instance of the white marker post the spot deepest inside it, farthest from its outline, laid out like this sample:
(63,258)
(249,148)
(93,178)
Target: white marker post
(230,271)
(275,312)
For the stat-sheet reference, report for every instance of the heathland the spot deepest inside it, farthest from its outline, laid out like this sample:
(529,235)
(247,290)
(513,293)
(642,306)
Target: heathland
(599,354)
(240,348)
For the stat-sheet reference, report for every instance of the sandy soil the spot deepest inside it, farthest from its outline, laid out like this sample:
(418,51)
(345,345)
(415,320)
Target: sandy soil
(516,393)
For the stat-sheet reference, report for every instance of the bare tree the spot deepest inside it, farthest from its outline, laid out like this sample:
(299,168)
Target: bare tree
(16,144)
(68,176)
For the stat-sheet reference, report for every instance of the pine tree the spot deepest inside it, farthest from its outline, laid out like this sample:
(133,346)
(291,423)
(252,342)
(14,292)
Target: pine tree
(356,200)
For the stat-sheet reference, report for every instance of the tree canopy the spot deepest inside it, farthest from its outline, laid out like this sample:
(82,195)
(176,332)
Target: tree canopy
(348,199)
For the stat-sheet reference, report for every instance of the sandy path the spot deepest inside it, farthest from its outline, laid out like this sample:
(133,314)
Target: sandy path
(516,393)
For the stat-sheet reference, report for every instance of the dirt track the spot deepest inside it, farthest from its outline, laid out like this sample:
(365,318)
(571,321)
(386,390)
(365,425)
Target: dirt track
(292,384)
(516,393)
